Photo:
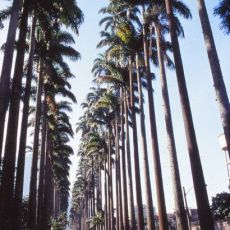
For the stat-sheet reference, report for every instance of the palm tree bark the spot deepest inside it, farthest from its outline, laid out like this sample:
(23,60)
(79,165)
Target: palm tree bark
(98,193)
(150,213)
(108,194)
(47,191)
(129,168)
(8,170)
(93,188)
(7,66)
(85,213)
(205,217)
(22,143)
(106,197)
(182,223)
(163,221)
(221,92)
(123,167)
(110,181)
(118,178)
(99,204)
(140,216)
(42,169)
(34,167)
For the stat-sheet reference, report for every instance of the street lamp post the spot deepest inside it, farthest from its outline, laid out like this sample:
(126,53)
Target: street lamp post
(223,146)
(186,206)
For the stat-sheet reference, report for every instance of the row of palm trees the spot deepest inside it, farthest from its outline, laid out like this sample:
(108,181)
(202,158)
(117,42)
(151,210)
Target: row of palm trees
(134,40)
(38,38)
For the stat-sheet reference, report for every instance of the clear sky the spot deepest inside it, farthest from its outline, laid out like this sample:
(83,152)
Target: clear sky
(201,91)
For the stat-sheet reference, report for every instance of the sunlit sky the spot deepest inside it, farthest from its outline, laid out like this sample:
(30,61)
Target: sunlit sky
(201,91)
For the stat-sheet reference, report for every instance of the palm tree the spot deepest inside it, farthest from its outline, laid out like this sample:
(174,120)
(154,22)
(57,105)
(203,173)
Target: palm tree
(47,190)
(7,184)
(153,128)
(7,66)
(122,39)
(178,197)
(223,11)
(99,112)
(40,199)
(221,92)
(33,179)
(123,163)
(156,16)
(129,169)
(160,193)
(57,164)
(54,55)
(23,135)
(140,219)
(107,72)
(206,221)
(150,220)
(49,19)
(108,104)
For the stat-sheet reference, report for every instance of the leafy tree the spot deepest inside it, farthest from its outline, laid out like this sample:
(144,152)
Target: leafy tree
(60,222)
(221,206)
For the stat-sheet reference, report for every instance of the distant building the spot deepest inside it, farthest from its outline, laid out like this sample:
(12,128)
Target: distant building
(145,212)
(194,215)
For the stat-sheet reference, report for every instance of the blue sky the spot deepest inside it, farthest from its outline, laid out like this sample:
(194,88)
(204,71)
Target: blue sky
(201,91)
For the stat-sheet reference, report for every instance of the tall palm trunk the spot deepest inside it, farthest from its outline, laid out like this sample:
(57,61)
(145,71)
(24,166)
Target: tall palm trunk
(93,188)
(123,167)
(8,170)
(85,213)
(129,168)
(22,143)
(47,189)
(182,223)
(221,93)
(106,194)
(7,66)
(163,221)
(99,207)
(42,169)
(33,178)
(98,196)
(118,179)
(110,181)
(140,216)
(150,213)
(46,181)
(205,217)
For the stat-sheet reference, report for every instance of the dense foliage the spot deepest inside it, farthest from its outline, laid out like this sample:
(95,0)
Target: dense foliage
(221,206)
